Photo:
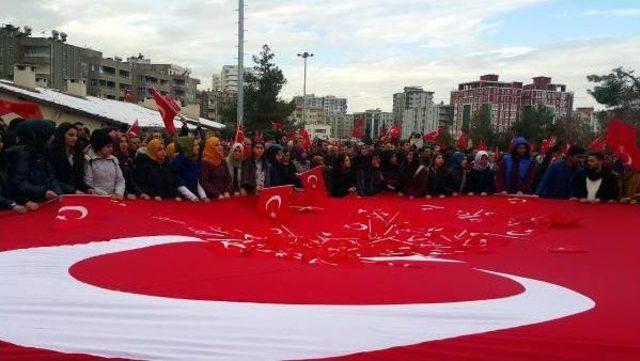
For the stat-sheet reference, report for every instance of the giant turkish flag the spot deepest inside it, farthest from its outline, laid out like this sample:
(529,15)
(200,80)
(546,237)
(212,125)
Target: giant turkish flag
(380,278)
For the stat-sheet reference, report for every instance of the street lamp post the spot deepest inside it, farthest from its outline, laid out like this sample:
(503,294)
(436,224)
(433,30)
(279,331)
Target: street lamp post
(304,56)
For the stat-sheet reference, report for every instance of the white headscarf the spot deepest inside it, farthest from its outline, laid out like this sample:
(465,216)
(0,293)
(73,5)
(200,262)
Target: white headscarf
(477,161)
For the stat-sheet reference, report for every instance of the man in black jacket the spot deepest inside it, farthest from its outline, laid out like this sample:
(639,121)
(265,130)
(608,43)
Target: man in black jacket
(595,183)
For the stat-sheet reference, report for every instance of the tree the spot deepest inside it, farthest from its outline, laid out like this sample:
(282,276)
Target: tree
(573,129)
(262,103)
(480,128)
(536,123)
(619,92)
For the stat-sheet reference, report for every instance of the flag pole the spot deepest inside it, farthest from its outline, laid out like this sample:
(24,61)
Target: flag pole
(240,107)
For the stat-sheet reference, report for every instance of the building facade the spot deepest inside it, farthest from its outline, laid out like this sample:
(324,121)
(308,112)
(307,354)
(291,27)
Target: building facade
(506,100)
(329,109)
(57,62)
(414,110)
(374,121)
(589,117)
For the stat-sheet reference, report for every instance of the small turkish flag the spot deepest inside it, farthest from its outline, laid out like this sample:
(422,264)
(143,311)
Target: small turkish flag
(25,110)
(313,182)
(167,110)
(274,201)
(135,128)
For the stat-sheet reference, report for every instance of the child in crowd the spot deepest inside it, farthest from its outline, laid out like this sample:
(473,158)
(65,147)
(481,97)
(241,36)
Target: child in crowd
(102,170)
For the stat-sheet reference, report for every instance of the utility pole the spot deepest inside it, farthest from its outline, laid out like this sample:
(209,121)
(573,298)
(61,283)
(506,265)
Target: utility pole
(240,106)
(304,56)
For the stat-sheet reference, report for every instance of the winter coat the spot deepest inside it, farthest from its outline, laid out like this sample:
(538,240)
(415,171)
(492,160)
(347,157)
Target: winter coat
(104,175)
(30,176)
(481,180)
(557,180)
(186,172)
(69,171)
(608,189)
(439,182)
(154,179)
(341,181)
(414,179)
(369,181)
(249,168)
(215,179)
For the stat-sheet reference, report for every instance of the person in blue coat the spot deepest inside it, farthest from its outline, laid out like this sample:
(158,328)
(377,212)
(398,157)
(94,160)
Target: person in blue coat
(560,176)
(517,169)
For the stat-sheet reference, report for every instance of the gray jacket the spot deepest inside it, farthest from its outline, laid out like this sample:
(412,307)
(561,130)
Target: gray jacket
(103,174)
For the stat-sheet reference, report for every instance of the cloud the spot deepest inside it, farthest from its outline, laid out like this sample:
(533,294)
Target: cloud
(612,12)
(365,49)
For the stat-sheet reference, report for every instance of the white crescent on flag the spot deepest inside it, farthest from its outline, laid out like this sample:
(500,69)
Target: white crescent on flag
(83,212)
(43,306)
(314,184)
(274,198)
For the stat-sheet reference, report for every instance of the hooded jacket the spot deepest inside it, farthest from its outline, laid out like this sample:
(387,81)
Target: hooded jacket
(516,174)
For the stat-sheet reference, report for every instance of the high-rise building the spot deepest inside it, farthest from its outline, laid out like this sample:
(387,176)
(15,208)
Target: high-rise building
(216,82)
(414,110)
(506,100)
(327,109)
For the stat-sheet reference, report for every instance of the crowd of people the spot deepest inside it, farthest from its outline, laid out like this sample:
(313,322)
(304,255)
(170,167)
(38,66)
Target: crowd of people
(40,161)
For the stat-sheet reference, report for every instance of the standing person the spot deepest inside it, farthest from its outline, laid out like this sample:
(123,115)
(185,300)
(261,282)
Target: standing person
(5,202)
(413,176)
(214,171)
(290,169)
(630,185)
(153,173)
(255,175)
(234,162)
(391,171)
(438,179)
(458,173)
(31,176)
(342,177)
(481,176)
(125,160)
(369,177)
(595,183)
(426,156)
(186,170)
(277,170)
(516,170)
(102,171)
(67,160)
(83,137)
(560,175)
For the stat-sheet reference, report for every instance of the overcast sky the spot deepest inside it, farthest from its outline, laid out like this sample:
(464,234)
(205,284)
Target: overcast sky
(365,50)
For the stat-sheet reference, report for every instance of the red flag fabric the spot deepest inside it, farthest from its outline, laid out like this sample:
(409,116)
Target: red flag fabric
(357,128)
(173,103)
(306,138)
(394,132)
(463,141)
(127,96)
(134,128)
(109,273)
(433,136)
(258,136)
(544,148)
(277,125)
(482,145)
(621,137)
(26,110)
(239,138)
(166,109)
(313,182)
(274,201)
(599,144)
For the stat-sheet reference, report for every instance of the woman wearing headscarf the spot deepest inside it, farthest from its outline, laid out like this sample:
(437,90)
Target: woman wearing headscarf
(31,175)
(214,171)
(186,170)
(413,176)
(121,151)
(67,160)
(458,172)
(6,203)
(234,163)
(153,172)
(102,170)
(481,176)
(391,171)
(277,170)
(255,174)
